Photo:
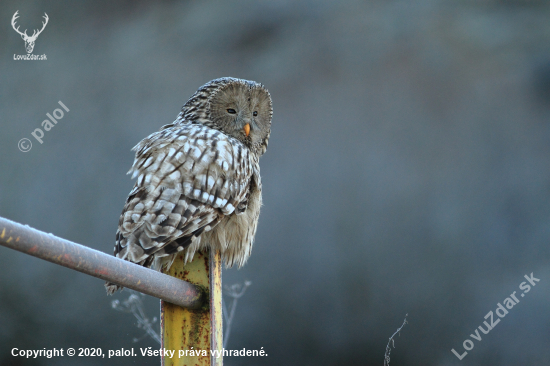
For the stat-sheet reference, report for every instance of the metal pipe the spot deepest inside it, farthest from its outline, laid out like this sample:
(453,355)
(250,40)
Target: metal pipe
(98,264)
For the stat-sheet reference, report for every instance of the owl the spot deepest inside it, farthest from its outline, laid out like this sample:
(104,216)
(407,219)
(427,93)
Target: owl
(198,179)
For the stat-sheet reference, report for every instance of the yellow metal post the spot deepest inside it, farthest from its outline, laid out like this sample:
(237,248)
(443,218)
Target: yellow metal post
(216,315)
(195,336)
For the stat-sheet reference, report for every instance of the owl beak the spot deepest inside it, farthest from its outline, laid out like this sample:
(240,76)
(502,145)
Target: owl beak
(246,129)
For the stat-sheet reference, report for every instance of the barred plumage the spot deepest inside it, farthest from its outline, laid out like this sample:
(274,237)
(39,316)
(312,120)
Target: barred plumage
(198,179)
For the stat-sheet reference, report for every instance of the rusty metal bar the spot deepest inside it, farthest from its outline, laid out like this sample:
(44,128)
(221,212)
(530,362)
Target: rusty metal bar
(98,264)
(195,336)
(216,316)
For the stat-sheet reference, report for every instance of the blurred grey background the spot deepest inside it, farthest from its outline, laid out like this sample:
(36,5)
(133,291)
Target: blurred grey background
(407,171)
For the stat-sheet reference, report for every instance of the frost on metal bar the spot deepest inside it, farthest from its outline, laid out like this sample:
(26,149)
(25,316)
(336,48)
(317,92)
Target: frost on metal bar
(98,264)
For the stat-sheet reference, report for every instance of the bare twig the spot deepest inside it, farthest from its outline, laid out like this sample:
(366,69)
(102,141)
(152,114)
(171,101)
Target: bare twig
(235,291)
(134,305)
(388,348)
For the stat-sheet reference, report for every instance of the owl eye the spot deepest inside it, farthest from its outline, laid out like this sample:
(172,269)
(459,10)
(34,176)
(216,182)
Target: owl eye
(255,113)
(231,111)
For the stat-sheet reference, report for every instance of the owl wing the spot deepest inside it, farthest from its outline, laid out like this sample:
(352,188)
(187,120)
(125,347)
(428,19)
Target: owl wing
(188,178)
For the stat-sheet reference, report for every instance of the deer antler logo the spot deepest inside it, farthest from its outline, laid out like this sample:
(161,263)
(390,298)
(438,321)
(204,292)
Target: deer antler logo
(29,41)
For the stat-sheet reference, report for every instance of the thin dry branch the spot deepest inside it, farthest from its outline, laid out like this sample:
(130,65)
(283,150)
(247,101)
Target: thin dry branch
(388,348)
(134,305)
(235,291)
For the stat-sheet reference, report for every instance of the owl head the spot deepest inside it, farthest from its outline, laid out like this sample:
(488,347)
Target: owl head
(239,108)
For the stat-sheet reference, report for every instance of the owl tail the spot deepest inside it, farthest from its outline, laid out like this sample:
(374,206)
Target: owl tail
(112,288)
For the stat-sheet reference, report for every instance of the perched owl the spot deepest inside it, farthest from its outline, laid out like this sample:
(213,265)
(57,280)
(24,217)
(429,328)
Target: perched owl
(198,179)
